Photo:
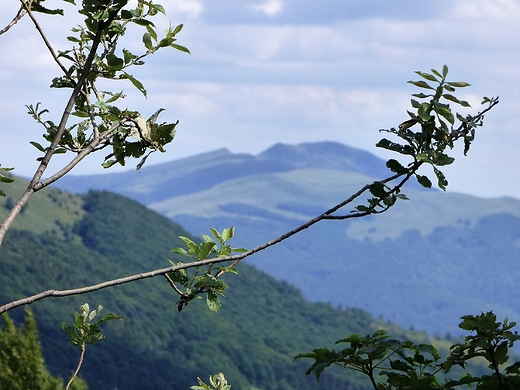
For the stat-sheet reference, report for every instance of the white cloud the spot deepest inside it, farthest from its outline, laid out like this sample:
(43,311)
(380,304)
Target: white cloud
(270,7)
(498,10)
(255,81)
(179,9)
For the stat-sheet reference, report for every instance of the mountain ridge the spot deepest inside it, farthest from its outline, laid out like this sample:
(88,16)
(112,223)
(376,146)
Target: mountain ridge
(265,204)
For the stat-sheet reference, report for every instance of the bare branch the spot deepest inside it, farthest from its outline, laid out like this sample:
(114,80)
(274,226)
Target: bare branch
(19,15)
(27,8)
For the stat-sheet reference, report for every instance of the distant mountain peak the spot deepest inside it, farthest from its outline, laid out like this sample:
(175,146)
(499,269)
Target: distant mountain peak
(327,155)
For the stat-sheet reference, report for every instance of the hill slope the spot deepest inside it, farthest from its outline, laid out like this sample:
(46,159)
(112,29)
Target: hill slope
(253,339)
(434,246)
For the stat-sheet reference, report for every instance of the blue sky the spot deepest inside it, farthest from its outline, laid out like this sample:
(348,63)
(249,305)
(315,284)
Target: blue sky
(268,71)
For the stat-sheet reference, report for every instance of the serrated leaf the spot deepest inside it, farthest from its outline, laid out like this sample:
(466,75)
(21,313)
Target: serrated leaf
(441,179)
(213,301)
(395,166)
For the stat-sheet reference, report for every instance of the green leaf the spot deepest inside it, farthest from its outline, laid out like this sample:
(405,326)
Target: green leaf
(128,56)
(395,166)
(378,189)
(421,84)
(213,301)
(177,29)
(180,48)
(228,233)
(415,103)
(427,76)
(420,95)
(424,181)
(135,82)
(441,179)
(114,61)
(37,7)
(402,149)
(165,42)
(147,40)
(459,84)
(424,111)
(142,22)
(181,251)
(444,71)
(37,146)
(125,14)
(445,112)
(159,8)
(436,73)
(152,32)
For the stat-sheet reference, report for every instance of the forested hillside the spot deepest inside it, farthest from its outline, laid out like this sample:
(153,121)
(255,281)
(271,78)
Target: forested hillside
(263,324)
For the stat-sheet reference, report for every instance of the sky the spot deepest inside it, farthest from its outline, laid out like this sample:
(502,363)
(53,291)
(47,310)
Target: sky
(267,71)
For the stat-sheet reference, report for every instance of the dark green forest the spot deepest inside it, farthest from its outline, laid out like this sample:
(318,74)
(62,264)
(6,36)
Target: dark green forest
(253,339)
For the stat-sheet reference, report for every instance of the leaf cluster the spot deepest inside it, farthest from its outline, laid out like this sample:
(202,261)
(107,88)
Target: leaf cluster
(405,365)
(96,55)
(83,331)
(440,127)
(202,280)
(216,382)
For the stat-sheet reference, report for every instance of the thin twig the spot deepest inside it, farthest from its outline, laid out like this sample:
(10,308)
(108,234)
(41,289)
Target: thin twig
(172,284)
(42,34)
(19,15)
(77,368)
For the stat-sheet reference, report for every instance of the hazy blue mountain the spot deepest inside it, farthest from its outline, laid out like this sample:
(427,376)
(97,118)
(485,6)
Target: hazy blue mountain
(417,265)
(195,174)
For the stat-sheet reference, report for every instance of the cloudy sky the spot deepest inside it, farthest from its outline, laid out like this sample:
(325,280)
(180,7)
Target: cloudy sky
(292,71)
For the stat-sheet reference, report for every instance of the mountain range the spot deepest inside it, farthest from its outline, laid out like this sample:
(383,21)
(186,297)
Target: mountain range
(422,265)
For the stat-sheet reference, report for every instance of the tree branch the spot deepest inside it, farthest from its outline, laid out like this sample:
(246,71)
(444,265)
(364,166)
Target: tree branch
(45,40)
(19,15)
(234,259)
(31,189)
